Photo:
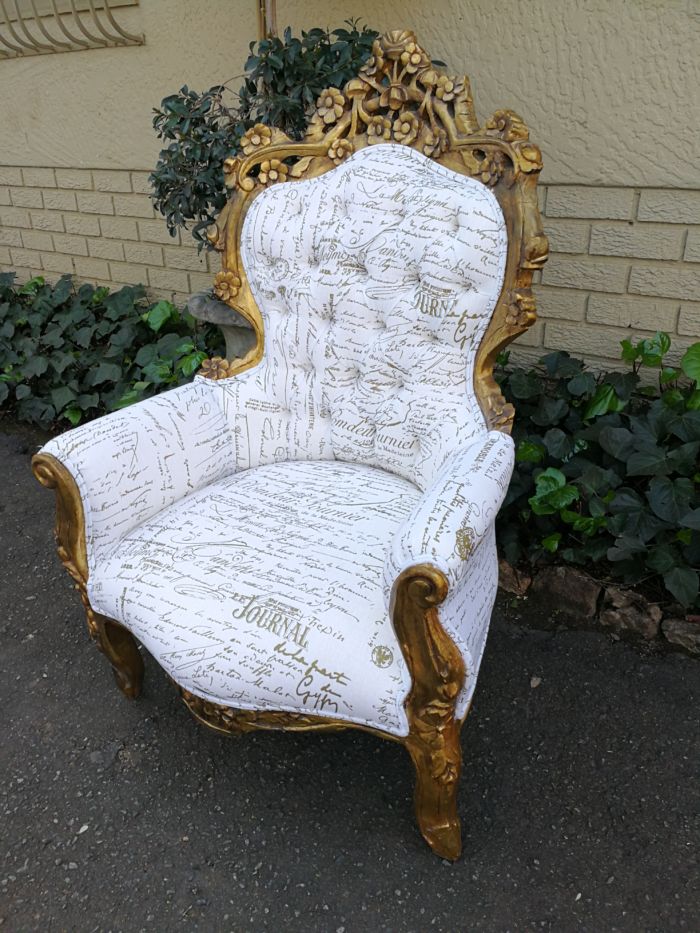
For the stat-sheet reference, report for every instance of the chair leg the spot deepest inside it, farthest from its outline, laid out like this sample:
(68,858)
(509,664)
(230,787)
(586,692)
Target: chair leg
(437,756)
(121,650)
(438,673)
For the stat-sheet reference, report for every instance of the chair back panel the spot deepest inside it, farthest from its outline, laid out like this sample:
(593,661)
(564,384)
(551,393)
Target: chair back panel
(405,238)
(376,282)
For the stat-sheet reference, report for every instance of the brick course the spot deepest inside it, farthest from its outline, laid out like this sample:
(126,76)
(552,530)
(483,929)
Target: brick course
(622,261)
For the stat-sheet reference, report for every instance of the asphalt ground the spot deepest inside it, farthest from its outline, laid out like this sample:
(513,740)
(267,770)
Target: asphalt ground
(580,799)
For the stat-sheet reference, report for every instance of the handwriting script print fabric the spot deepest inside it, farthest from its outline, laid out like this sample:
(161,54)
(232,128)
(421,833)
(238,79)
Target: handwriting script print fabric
(376,281)
(249,531)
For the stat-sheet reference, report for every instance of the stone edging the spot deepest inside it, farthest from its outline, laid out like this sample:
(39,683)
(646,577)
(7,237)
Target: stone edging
(572,599)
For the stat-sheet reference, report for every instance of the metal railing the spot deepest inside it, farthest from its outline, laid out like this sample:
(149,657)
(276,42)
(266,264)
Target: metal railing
(26,29)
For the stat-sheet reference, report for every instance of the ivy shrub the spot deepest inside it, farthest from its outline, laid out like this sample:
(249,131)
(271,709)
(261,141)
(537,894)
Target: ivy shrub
(283,78)
(67,354)
(608,468)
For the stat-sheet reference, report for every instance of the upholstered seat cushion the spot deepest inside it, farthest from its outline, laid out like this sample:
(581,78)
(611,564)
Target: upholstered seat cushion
(264,590)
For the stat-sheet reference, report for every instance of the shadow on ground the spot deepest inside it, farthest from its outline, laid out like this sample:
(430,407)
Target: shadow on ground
(579,801)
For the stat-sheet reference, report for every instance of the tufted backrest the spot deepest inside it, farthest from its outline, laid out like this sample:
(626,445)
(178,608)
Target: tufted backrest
(376,282)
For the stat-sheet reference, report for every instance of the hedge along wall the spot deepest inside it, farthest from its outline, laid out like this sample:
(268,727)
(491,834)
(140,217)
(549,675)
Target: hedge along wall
(604,88)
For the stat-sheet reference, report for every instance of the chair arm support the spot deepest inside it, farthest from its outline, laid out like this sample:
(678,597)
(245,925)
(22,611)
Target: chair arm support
(453,515)
(133,463)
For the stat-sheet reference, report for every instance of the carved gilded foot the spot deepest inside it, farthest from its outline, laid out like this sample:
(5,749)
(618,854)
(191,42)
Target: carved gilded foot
(120,648)
(437,756)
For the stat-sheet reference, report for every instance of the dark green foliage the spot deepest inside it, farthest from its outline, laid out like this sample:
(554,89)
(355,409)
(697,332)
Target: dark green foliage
(607,469)
(68,355)
(283,78)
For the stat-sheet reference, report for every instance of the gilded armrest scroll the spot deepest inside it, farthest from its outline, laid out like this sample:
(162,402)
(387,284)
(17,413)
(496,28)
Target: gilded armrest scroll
(112,639)
(437,673)
(70,518)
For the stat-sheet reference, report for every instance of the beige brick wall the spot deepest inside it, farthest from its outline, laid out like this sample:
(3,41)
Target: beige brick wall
(97,225)
(623,261)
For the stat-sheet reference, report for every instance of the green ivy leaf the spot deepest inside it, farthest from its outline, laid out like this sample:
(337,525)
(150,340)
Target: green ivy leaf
(189,364)
(630,353)
(525,385)
(35,366)
(133,395)
(682,583)
(690,363)
(669,499)
(662,558)
(604,400)
(61,397)
(549,411)
(74,415)
(159,314)
(618,442)
(648,462)
(529,452)
(558,443)
(582,384)
(551,542)
(653,349)
(106,372)
(691,519)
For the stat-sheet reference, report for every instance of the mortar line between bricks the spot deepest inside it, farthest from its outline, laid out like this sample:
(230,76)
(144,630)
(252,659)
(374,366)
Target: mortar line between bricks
(635,204)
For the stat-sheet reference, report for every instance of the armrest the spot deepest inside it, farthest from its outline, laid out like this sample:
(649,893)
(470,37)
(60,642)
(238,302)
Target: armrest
(456,512)
(133,463)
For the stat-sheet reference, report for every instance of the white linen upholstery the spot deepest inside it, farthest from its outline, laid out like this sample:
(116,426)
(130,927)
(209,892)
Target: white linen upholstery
(132,463)
(249,531)
(376,282)
(452,527)
(264,590)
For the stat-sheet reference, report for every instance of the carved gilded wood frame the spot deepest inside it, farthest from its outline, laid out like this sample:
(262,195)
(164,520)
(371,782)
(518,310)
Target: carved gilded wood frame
(397,97)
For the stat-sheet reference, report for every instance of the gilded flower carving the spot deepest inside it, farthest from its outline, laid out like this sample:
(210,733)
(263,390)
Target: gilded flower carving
(231,171)
(255,138)
(406,127)
(507,125)
(356,87)
(215,368)
(271,171)
(339,150)
(413,57)
(395,43)
(434,142)
(448,88)
(375,62)
(393,97)
(379,130)
(522,310)
(227,285)
(492,167)
(329,105)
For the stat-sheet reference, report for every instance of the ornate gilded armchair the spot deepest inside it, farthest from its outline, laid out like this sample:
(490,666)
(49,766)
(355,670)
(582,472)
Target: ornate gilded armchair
(304,538)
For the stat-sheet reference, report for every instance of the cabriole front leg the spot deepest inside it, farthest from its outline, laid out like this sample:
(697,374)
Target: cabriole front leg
(115,642)
(437,670)
(120,648)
